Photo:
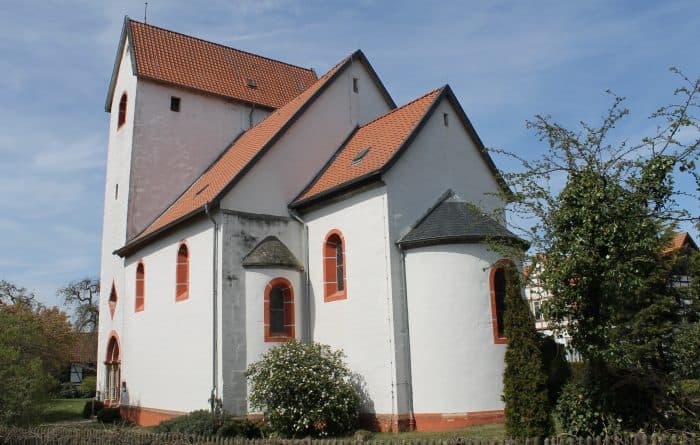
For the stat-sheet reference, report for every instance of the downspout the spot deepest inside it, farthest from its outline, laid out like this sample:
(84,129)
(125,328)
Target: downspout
(215,318)
(409,373)
(307,285)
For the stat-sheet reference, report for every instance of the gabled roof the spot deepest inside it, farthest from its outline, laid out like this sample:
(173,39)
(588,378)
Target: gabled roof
(177,59)
(373,148)
(240,156)
(453,220)
(271,252)
(681,240)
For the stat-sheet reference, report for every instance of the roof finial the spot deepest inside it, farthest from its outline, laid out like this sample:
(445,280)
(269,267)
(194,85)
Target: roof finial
(145,11)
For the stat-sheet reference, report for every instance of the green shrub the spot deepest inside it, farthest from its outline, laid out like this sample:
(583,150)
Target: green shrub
(557,369)
(109,415)
(197,422)
(524,379)
(92,407)
(304,389)
(241,428)
(88,386)
(579,415)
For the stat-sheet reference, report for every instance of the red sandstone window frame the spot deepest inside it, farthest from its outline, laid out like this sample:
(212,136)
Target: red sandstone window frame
(498,330)
(113,298)
(288,299)
(140,287)
(182,272)
(332,270)
(112,376)
(121,118)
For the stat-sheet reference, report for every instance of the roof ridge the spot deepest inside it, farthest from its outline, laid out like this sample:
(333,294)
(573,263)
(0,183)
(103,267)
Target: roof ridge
(223,46)
(403,106)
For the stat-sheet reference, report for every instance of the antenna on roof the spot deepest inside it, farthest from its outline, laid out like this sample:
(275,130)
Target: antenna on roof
(145,11)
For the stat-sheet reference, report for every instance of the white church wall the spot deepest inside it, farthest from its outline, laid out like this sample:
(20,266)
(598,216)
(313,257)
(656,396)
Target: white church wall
(167,348)
(440,157)
(186,142)
(360,324)
(291,163)
(115,208)
(456,366)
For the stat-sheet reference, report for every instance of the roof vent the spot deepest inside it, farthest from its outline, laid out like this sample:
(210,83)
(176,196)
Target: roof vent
(201,190)
(360,155)
(251,83)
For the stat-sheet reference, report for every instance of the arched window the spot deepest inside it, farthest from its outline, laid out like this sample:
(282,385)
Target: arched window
(182,279)
(278,310)
(112,371)
(140,286)
(334,278)
(122,111)
(498,280)
(112,300)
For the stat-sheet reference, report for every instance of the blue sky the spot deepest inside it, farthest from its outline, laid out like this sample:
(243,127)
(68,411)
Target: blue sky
(506,61)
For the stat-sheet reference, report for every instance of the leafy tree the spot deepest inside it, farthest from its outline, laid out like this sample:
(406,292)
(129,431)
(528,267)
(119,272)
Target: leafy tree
(13,294)
(304,389)
(24,382)
(602,237)
(524,379)
(84,296)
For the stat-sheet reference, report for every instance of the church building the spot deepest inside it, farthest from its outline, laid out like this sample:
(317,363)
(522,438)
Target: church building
(250,202)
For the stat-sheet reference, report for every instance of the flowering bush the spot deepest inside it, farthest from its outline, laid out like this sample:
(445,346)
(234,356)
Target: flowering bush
(304,389)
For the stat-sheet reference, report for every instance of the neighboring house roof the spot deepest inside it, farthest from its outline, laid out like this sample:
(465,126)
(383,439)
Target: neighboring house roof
(85,348)
(241,155)
(177,59)
(681,240)
(271,252)
(453,220)
(373,148)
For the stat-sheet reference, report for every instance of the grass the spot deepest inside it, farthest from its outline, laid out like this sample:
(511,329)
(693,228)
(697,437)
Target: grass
(494,431)
(60,410)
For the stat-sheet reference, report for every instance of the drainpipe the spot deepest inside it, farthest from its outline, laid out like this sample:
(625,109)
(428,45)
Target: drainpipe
(409,373)
(215,317)
(307,285)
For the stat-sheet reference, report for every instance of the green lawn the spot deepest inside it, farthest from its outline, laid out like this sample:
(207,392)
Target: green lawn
(59,410)
(495,431)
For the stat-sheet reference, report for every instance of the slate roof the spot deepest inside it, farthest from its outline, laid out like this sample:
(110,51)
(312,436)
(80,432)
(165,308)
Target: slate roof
(177,59)
(453,220)
(271,252)
(238,158)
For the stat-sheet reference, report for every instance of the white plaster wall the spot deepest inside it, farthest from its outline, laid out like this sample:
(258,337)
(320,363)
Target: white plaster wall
(171,149)
(115,208)
(361,325)
(256,280)
(455,364)
(441,157)
(167,347)
(305,148)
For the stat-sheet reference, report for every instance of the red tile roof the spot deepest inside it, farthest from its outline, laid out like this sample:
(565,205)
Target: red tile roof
(679,241)
(383,136)
(173,58)
(236,159)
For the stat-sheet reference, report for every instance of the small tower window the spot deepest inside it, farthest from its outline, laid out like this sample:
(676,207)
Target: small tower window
(140,287)
(116,191)
(121,120)
(182,274)
(445,119)
(112,301)
(175,104)
(355,85)
(498,283)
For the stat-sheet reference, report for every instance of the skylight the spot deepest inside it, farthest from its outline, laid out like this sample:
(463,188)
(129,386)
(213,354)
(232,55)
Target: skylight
(360,155)
(251,83)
